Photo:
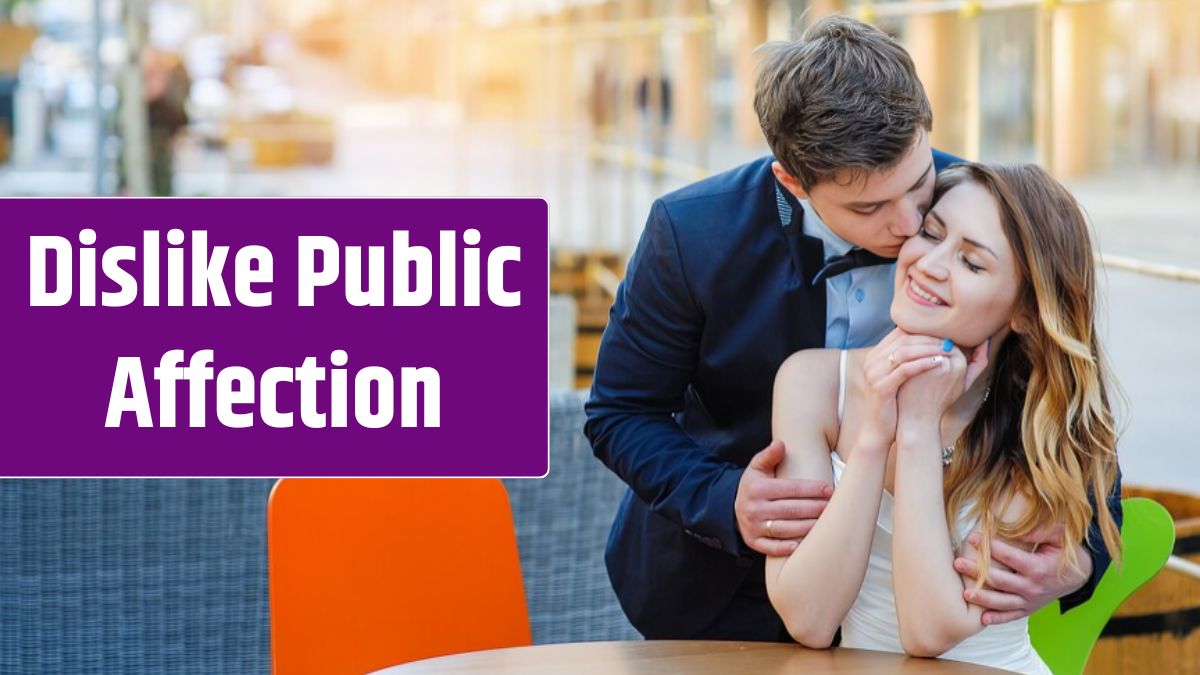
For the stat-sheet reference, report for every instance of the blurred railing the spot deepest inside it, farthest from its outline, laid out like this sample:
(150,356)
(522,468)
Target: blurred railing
(1184,567)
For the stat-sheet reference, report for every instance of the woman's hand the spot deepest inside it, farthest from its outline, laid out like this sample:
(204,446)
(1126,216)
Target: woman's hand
(897,359)
(926,397)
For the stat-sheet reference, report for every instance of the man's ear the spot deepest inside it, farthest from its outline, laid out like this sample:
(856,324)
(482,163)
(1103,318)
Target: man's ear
(788,181)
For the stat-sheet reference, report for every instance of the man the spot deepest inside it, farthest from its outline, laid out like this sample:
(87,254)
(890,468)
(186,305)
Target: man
(733,274)
(167,86)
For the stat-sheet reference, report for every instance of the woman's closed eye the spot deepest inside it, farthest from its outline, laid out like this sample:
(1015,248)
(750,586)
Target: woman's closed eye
(925,233)
(970,265)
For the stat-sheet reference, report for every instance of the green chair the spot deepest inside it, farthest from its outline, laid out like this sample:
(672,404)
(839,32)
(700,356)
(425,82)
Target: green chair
(1064,641)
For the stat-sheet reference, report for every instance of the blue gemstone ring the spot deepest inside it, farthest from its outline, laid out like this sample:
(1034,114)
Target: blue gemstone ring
(947,345)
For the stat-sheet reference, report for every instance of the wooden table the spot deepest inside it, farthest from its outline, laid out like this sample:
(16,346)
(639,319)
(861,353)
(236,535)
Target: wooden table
(669,657)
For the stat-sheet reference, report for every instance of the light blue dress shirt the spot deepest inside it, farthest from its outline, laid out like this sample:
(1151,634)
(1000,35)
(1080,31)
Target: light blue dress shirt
(857,303)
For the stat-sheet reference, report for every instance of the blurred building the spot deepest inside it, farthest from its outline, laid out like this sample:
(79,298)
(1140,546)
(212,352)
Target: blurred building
(606,103)
(1080,86)
(651,94)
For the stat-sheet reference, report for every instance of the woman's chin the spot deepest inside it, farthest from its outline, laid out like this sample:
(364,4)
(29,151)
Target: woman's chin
(910,324)
(916,326)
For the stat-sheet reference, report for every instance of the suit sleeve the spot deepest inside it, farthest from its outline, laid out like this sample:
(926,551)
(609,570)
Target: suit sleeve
(648,355)
(1101,558)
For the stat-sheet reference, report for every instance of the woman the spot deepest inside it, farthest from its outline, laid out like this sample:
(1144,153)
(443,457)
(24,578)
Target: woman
(986,409)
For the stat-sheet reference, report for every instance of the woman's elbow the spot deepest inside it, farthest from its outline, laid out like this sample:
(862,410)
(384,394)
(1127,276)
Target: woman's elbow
(813,639)
(803,620)
(925,649)
(811,634)
(927,643)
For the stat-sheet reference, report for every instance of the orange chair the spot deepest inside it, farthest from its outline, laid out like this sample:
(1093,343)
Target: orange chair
(369,573)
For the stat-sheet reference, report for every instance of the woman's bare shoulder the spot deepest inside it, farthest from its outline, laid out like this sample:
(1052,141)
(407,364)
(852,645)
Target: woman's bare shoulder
(811,369)
(807,385)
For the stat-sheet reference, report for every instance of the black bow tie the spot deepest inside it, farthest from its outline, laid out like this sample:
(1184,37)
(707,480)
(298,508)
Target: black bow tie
(840,264)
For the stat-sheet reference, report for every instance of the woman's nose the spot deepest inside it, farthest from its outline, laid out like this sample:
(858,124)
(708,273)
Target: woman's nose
(933,263)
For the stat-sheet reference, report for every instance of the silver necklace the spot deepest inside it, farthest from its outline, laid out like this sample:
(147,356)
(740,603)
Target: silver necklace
(948,451)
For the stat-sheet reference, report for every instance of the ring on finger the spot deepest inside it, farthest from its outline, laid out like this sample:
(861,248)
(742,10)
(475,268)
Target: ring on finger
(892,360)
(769,524)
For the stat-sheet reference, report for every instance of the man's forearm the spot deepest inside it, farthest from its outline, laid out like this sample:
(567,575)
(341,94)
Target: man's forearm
(667,470)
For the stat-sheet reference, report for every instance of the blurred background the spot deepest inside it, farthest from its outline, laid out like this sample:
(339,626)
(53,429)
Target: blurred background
(598,107)
(601,106)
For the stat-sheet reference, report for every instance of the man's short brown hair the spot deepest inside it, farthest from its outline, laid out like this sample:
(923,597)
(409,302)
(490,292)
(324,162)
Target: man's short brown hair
(844,97)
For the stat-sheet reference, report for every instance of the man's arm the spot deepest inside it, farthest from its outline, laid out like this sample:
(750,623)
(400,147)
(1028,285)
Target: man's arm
(647,359)
(1034,581)
(1101,558)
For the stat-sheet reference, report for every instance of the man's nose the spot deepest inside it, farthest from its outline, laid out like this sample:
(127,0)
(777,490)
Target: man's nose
(908,220)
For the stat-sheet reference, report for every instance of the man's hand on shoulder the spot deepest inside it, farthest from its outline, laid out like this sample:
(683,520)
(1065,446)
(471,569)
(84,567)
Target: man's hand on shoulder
(775,514)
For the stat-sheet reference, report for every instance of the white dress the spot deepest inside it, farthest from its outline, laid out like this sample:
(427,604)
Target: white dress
(871,622)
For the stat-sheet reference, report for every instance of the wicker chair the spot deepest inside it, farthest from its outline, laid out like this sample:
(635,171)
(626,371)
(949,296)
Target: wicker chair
(562,524)
(133,576)
(170,576)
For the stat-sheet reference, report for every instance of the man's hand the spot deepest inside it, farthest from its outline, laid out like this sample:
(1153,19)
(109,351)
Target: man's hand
(775,514)
(1023,581)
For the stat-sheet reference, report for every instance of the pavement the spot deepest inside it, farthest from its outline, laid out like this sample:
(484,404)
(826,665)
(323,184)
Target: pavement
(1149,328)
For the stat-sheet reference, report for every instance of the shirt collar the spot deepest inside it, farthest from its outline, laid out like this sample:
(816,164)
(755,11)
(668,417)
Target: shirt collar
(815,227)
(790,207)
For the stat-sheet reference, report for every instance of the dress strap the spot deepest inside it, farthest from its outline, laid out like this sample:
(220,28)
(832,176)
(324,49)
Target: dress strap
(841,386)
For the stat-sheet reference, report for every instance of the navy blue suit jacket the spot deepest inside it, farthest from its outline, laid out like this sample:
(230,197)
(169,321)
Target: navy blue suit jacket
(714,299)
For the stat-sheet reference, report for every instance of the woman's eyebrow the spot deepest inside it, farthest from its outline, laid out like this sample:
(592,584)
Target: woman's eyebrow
(933,214)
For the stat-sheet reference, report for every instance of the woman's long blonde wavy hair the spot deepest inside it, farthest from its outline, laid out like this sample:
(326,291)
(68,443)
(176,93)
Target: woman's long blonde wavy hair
(1046,432)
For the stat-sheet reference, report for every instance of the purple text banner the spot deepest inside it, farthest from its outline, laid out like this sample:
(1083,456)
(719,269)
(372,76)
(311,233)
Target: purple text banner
(274,337)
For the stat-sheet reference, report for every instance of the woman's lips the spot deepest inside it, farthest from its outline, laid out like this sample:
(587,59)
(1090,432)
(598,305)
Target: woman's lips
(922,295)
